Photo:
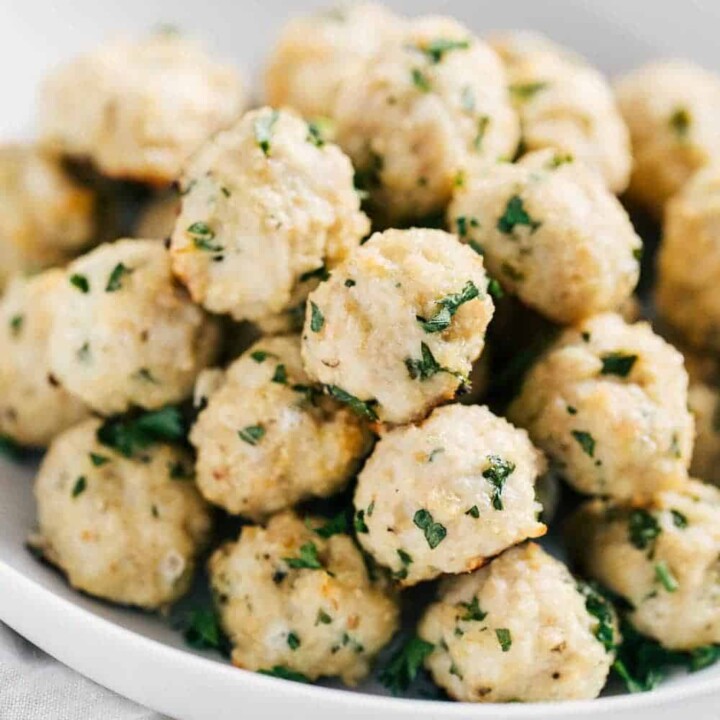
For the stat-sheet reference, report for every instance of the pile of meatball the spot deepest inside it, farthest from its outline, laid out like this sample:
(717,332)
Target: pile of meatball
(312,280)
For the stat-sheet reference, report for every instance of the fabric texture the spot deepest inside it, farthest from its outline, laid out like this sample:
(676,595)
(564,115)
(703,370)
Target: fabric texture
(34,686)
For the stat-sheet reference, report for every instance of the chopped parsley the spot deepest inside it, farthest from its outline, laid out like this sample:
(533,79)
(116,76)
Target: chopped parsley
(114,282)
(315,135)
(308,558)
(252,434)
(495,289)
(293,641)
(336,525)
(317,319)
(526,91)
(360,407)
(425,367)
(464,223)
(504,638)
(280,375)
(260,356)
(679,519)
(448,306)
(680,122)
(482,126)
(16,324)
(405,664)
(323,618)
(420,80)
(617,363)
(203,631)
(359,523)
(497,473)
(586,441)
(203,236)
(473,512)
(434,532)
(130,435)
(642,663)
(664,576)
(99,460)
(80,282)
(321,273)
(263,129)
(515,215)
(473,611)
(601,609)
(280,671)
(643,530)
(436,49)
(79,486)
(350,283)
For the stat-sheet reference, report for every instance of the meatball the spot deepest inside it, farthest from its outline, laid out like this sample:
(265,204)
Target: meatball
(689,261)
(446,495)
(608,402)
(268,207)
(33,406)
(672,109)
(552,234)
(157,220)
(316,54)
(269,439)
(138,110)
(124,333)
(292,596)
(396,328)
(566,105)
(125,529)
(519,629)
(45,216)
(662,557)
(431,104)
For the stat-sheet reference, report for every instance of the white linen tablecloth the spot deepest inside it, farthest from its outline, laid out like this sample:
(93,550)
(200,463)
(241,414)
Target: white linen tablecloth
(34,686)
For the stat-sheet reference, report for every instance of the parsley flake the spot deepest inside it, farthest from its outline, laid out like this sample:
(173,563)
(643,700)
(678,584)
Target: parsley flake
(308,558)
(434,532)
(99,460)
(16,324)
(359,407)
(128,436)
(317,319)
(337,525)
(504,638)
(405,664)
(79,486)
(515,215)
(263,129)
(527,91)
(437,49)
(80,282)
(448,306)
(114,282)
(473,611)
(680,122)
(252,434)
(280,671)
(280,375)
(617,363)
(643,529)
(203,235)
(420,80)
(473,512)
(586,441)
(664,576)
(497,473)
(293,641)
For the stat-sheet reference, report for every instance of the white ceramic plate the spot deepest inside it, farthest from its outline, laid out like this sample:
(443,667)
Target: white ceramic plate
(139,655)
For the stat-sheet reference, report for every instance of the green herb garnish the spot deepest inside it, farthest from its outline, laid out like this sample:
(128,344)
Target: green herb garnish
(360,407)
(448,306)
(79,486)
(404,666)
(497,473)
(317,319)
(80,282)
(263,129)
(128,436)
(586,441)
(516,215)
(114,282)
(308,559)
(617,363)
(434,532)
(504,638)
(252,434)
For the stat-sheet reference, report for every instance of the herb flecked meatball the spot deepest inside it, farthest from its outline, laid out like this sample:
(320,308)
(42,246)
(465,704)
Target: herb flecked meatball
(661,556)
(268,207)
(139,110)
(608,402)
(297,596)
(33,405)
(565,104)
(551,233)
(125,529)
(268,438)
(446,495)
(430,104)
(672,109)
(519,630)
(125,333)
(316,54)
(45,216)
(689,261)
(395,329)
